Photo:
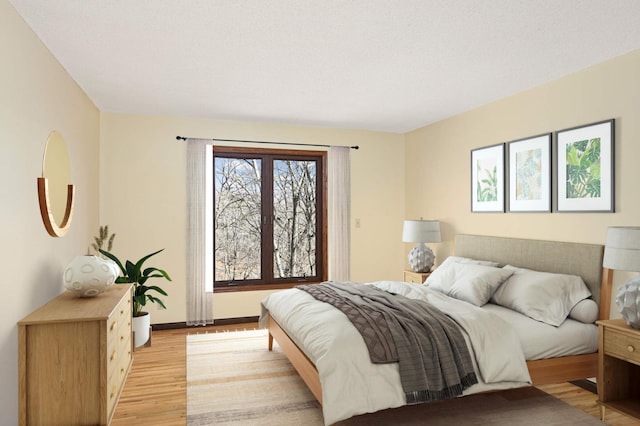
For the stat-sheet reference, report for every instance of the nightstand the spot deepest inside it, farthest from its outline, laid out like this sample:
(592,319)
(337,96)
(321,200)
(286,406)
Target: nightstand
(618,368)
(415,277)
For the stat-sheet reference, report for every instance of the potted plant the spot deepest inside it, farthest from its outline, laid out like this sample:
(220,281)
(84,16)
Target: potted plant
(134,274)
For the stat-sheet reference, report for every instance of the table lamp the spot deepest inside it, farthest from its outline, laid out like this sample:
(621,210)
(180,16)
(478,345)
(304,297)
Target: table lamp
(421,257)
(622,252)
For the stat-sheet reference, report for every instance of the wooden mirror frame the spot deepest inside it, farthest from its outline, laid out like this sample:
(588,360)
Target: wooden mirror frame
(50,224)
(55,162)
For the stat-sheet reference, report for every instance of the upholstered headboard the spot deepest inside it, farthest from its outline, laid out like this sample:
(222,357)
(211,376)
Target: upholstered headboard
(584,260)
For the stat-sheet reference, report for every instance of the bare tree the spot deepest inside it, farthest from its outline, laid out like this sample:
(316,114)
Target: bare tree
(238,220)
(294,218)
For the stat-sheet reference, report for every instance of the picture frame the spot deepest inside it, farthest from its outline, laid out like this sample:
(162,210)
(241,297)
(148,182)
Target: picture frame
(487,179)
(529,174)
(585,168)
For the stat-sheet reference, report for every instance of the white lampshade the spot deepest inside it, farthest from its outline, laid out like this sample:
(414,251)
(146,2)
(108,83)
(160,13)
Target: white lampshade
(421,231)
(622,248)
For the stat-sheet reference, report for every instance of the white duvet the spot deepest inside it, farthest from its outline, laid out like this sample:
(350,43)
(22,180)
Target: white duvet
(352,385)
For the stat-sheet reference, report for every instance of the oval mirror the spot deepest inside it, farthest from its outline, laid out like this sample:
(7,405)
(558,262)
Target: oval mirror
(55,191)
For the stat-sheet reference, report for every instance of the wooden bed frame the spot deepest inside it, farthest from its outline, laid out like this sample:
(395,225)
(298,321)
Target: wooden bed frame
(584,260)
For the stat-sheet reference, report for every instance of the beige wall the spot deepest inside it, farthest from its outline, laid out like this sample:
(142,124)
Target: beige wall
(38,96)
(143,181)
(438,156)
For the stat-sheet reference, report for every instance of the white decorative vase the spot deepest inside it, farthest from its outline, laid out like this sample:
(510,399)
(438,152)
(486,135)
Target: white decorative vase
(141,327)
(88,276)
(628,301)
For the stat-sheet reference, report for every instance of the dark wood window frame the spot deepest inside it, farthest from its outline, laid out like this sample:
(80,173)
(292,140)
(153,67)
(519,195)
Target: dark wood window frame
(321,243)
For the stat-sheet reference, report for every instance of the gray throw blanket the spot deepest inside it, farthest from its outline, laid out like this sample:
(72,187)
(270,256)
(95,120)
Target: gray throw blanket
(432,355)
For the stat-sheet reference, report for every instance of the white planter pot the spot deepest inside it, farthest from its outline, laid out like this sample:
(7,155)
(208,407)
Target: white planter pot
(141,326)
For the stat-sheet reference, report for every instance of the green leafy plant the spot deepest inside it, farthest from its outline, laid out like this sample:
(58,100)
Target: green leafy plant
(487,187)
(134,274)
(583,169)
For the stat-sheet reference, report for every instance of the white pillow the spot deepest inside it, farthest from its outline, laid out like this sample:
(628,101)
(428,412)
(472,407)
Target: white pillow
(543,296)
(470,282)
(458,259)
(585,311)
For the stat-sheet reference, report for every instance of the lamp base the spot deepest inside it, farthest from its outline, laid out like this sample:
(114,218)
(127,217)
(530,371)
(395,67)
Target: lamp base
(421,258)
(628,301)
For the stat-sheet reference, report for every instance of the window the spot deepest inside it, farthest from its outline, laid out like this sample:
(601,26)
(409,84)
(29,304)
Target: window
(269,217)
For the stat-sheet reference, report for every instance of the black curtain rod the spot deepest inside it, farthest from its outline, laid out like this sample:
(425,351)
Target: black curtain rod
(182,138)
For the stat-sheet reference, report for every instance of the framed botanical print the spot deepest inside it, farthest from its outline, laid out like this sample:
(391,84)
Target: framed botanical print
(585,168)
(529,174)
(487,179)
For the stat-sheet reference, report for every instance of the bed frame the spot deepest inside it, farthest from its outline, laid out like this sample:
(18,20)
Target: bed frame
(580,259)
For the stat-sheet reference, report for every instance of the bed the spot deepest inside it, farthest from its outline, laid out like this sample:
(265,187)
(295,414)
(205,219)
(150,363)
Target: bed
(583,260)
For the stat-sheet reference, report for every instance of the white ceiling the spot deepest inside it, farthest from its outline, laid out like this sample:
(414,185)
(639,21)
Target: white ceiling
(390,65)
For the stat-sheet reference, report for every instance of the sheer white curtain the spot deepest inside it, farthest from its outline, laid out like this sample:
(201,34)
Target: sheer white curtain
(339,168)
(199,232)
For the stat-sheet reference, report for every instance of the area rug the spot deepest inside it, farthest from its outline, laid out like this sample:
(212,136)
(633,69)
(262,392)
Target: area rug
(232,379)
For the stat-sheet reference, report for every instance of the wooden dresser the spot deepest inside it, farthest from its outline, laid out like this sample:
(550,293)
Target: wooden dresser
(74,355)
(618,368)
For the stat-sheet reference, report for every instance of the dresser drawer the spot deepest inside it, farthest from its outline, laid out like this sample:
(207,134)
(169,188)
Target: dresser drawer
(117,373)
(121,314)
(119,362)
(118,328)
(116,339)
(621,345)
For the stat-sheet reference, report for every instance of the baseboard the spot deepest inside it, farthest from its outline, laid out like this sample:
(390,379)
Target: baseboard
(220,321)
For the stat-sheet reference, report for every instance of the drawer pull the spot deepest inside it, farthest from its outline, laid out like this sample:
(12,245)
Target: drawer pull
(113,355)
(122,312)
(113,325)
(630,348)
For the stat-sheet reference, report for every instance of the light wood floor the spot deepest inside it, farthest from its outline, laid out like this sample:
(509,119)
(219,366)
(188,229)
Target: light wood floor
(155,391)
